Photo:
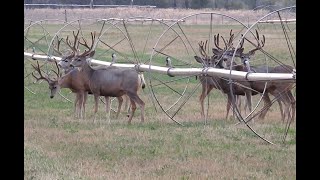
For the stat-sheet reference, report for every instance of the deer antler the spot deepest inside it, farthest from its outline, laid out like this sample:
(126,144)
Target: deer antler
(216,41)
(58,46)
(73,47)
(203,49)
(241,42)
(228,43)
(39,71)
(93,36)
(258,46)
(57,73)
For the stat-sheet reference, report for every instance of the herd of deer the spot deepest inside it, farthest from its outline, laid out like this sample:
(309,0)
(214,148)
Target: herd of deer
(222,57)
(83,79)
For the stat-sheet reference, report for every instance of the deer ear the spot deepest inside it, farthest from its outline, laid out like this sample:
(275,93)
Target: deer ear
(251,53)
(215,51)
(198,59)
(239,51)
(90,54)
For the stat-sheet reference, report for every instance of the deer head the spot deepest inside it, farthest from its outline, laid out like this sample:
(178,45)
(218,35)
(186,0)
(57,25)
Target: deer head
(227,52)
(219,57)
(66,59)
(246,56)
(205,60)
(54,85)
(80,59)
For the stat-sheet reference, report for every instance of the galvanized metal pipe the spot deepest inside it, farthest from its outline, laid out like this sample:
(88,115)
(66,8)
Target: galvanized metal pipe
(236,75)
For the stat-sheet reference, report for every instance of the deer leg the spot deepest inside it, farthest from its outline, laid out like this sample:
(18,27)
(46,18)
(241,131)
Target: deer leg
(85,97)
(283,97)
(267,104)
(120,100)
(133,109)
(141,104)
(293,105)
(80,101)
(80,105)
(281,109)
(76,102)
(237,104)
(96,101)
(205,91)
(228,105)
(126,103)
(249,101)
(202,96)
(245,107)
(136,99)
(108,108)
(289,103)
(238,100)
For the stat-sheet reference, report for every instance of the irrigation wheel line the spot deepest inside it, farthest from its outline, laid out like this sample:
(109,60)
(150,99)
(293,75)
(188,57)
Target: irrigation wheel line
(162,51)
(124,26)
(124,37)
(190,44)
(66,30)
(268,59)
(35,46)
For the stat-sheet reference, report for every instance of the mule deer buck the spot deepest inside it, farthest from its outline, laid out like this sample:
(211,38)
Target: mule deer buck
(65,64)
(76,79)
(219,60)
(70,81)
(142,85)
(280,90)
(111,81)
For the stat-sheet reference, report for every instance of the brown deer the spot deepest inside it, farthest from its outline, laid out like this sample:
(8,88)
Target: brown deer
(65,64)
(219,60)
(78,81)
(280,90)
(64,82)
(72,79)
(111,81)
(142,85)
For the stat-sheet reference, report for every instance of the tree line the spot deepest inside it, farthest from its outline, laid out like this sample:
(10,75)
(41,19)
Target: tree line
(192,4)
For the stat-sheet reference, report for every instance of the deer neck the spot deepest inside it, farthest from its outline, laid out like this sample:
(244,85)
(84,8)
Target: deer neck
(66,71)
(86,71)
(65,81)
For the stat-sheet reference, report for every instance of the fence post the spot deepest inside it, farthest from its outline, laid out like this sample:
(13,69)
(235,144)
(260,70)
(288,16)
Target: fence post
(65,16)
(91,4)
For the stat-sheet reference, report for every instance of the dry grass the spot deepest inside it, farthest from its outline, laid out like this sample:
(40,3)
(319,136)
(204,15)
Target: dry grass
(58,146)
(246,16)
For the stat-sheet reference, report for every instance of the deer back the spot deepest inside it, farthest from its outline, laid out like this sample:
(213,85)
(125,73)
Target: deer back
(114,81)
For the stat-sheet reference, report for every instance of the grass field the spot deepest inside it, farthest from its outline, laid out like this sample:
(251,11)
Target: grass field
(59,146)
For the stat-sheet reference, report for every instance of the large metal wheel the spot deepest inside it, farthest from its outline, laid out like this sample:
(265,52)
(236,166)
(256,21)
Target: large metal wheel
(276,34)
(180,43)
(122,37)
(37,37)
